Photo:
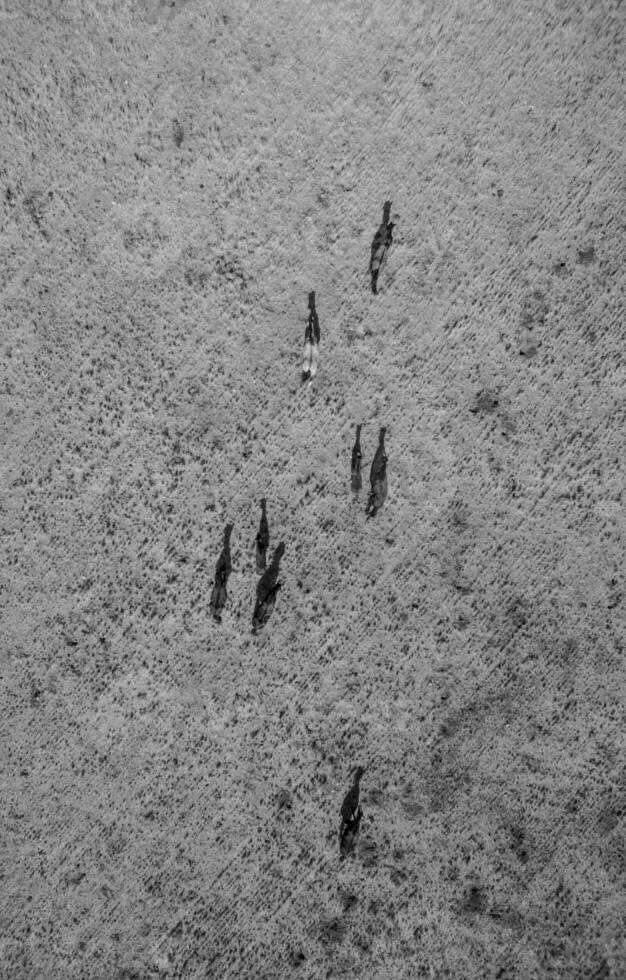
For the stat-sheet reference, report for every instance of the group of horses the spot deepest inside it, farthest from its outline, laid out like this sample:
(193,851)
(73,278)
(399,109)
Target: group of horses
(266,592)
(269,585)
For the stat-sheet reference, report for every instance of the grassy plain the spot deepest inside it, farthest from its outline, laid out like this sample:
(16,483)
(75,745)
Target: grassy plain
(176,178)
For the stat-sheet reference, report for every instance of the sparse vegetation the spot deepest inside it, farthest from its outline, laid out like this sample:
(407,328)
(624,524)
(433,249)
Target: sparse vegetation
(175,180)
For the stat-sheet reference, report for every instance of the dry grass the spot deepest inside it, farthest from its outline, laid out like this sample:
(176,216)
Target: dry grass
(177,178)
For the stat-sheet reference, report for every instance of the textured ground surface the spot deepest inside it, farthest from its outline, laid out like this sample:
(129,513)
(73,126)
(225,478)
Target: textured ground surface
(176,177)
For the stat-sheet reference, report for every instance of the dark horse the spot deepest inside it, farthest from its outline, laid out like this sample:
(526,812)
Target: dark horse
(267,590)
(378,478)
(262,540)
(223,569)
(381,244)
(356,461)
(351,816)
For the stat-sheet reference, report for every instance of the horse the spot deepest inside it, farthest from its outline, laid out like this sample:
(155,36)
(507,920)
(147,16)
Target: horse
(263,608)
(378,477)
(356,462)
(223,568)
(311,342)
(349,833)
(381,244)
(351,815)
(262,539)
(267,590)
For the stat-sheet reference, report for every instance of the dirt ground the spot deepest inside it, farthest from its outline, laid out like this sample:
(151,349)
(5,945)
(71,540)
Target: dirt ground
(175,178)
